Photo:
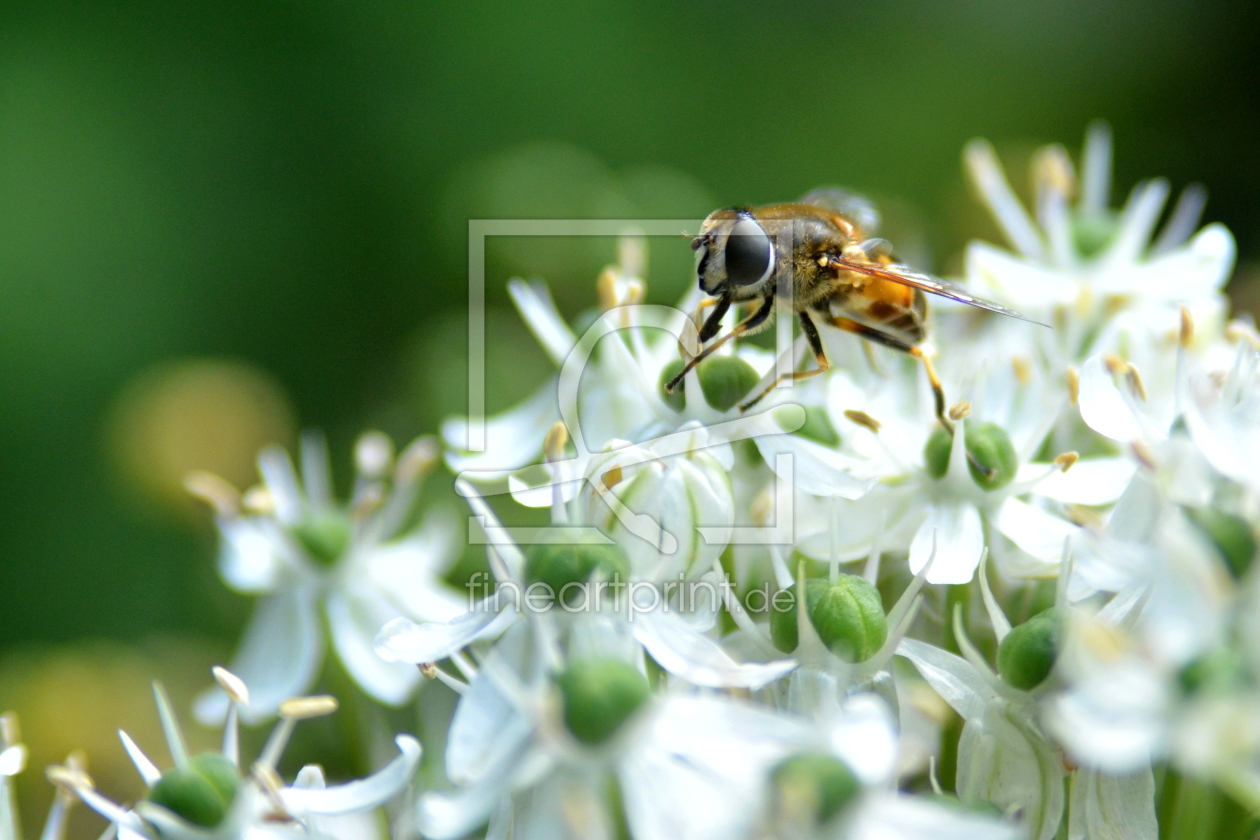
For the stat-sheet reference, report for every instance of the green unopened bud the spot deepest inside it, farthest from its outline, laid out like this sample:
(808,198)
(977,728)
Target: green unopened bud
(676,400)
(812,787)
(725,380)
(1232,535)
(561,564)
(324,536)
(1093,232)
(201,791)
(993,462)
(818,427)
(848,616)
(936,452)
(1027,654)
(599,696)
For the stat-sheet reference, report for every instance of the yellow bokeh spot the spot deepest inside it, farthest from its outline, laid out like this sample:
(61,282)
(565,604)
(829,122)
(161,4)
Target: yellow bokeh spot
(195,414)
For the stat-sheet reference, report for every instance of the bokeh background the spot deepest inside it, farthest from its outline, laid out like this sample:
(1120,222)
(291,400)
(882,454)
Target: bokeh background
(224,222)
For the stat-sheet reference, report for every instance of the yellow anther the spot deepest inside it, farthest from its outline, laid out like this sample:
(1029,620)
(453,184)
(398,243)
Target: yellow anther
(1116,366)
(1065,460)
(232,684)
(612,477)
(1073,385)
(862,419)
(959,411)
(428,670)
(1022,368)
(1135,380)
(258,500)
(301,708)
(554,442)
(1186,336)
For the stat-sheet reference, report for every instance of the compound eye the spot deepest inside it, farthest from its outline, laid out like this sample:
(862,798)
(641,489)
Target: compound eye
(749,253)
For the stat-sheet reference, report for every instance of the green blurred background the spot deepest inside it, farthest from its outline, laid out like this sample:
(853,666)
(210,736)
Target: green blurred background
(221,223)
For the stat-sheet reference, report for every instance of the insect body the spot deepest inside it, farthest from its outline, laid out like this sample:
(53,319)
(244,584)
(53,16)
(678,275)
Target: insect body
(814,259)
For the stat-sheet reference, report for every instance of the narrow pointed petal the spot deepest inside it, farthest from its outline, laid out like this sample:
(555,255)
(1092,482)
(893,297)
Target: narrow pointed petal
(360,795)
(1039,533)
(1096,169)
(513,438)
(951,676)
(819,470)
(698,659)
(895,816)
(538,310)
(402,640)
(988,177)
(1137,222)
(282,484)
(279,656)
(486,731)
(1103,408)
(959,536)
(354,619)
(1091,481)
(146,768)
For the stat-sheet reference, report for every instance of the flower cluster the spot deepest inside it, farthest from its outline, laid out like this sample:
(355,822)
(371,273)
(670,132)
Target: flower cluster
(838,614)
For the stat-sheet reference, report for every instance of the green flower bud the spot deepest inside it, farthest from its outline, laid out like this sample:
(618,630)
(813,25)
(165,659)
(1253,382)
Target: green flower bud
(936,452)
(676,400)
(201,791)
(818,427)
(561,564)
(812,787)
(990,448)
(1231,534)
(725,380)
(1093,232)
(599,695)
(324,536)
(1027,654)
(848,616)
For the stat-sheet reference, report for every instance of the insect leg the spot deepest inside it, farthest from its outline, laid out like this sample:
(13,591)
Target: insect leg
(892,341)
(711,326)
(714,322)
(815,344)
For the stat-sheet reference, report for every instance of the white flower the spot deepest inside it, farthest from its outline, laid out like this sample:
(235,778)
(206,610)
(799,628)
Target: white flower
(1223,416)
(1076,266)
(206,797)
(303,554)
(669,623)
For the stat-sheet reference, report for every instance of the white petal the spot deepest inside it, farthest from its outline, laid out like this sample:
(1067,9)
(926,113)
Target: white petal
(864,735)
(987,176)
(409,571)
(279,656)
(1090,481)
(699,771)
(282,484)
(485,732)
(449,816)
(1113,807)
(13,759)
(380,787)
(1103,408)
(251,557)
(354,619)
(819,470)
(402,640)
(1009,765)
(951,676)
(1137,223)
(1112,720)
(1041,534)
(539,312)
(894,816)
(698,659)
(1028,286)
(958,535)
(513,438)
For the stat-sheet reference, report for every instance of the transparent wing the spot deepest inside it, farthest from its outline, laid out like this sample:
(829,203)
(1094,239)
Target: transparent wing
(934,285)
(849,204)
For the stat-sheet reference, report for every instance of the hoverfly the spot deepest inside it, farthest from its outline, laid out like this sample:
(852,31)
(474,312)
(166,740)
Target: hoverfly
(814,258)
